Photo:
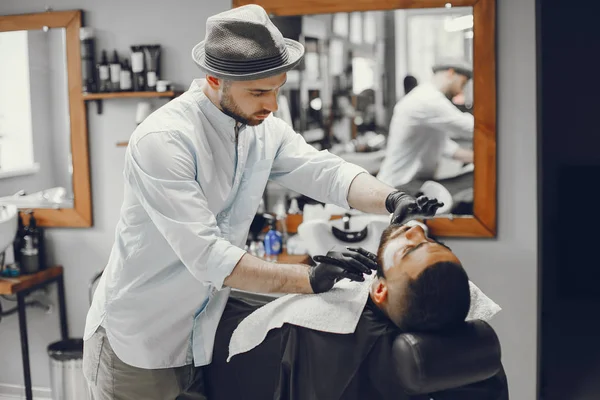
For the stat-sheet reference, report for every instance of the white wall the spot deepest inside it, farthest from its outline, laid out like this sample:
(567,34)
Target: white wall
(505,268)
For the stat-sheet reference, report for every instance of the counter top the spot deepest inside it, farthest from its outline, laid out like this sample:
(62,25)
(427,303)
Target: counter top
(285,258)
(24,282)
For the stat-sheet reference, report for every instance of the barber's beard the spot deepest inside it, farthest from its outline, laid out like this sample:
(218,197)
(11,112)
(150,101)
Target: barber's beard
(229,107)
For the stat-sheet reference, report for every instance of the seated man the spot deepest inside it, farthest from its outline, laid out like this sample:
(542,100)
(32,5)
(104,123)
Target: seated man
(420,286)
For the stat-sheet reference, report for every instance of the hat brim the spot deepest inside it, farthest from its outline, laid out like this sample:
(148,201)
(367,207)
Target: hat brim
(295,54)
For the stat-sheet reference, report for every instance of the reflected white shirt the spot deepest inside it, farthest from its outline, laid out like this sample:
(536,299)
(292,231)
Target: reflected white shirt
(190,196)
(421,129)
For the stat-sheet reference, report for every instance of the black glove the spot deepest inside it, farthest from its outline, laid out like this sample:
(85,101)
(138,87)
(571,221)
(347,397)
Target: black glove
(371,256)
(339,265)
(405,207)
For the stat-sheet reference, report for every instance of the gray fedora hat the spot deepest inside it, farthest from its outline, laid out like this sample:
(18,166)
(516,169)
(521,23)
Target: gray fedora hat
(243,44)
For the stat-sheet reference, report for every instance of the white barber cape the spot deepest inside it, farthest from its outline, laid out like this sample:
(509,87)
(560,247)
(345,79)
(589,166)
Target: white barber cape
(193,182)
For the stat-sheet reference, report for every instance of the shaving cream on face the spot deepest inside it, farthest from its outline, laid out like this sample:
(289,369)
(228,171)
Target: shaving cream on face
(390,252)
(422,225)
(394,245)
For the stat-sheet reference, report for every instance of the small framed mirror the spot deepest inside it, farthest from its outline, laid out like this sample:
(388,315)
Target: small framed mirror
(44,162)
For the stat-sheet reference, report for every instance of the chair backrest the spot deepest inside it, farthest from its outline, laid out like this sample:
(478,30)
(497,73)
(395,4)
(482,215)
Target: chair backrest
(432,362)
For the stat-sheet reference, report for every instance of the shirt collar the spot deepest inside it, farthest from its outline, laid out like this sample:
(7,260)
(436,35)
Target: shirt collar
(212,111)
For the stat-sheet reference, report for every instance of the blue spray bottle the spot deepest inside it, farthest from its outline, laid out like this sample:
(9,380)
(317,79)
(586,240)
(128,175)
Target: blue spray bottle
(273,242)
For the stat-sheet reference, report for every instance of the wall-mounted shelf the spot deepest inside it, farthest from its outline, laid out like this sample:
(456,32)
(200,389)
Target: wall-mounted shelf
(98,97)
(121,95)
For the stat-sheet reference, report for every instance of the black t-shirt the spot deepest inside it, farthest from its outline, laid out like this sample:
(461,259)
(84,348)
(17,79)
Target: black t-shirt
(296,363)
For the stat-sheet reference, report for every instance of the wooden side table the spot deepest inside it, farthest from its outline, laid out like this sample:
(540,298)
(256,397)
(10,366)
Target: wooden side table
(23,285)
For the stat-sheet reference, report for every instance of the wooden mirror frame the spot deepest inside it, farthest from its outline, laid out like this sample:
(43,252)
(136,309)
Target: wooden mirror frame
(81,214)
(483,221)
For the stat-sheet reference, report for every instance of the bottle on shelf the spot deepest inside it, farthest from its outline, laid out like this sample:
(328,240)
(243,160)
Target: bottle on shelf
(115,73)
(88,60)
(137,69)
(125,80)
(273,242)
(38,241)
(104,73)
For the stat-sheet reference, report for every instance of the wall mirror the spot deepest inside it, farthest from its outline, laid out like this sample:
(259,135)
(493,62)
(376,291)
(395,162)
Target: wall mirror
(44,163)
(368,71)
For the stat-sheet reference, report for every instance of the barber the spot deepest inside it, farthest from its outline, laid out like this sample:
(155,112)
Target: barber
(195,171)
(423,125)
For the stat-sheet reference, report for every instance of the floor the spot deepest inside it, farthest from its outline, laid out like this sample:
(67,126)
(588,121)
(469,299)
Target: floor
(17,392)
(572,350)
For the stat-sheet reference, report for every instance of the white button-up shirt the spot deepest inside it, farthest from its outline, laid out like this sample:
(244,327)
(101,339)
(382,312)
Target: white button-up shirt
(191,191)
(423,123)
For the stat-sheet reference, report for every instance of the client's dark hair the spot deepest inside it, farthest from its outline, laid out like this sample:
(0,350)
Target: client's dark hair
(438,298)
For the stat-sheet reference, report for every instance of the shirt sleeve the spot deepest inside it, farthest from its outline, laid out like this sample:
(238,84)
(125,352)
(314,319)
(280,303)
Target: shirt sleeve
(450,147)
(319,175)
(450,120)
(161,169)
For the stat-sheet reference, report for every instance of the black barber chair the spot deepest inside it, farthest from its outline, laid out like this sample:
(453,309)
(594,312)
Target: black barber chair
(440,362)
(429,363)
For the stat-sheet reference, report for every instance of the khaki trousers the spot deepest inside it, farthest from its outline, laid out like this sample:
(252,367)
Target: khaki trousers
(109,378)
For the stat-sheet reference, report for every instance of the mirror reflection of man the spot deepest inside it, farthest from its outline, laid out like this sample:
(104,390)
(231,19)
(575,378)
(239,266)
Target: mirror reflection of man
(423,125)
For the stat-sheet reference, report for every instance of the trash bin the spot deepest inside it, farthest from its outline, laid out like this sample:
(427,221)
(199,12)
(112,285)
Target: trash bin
(66,373)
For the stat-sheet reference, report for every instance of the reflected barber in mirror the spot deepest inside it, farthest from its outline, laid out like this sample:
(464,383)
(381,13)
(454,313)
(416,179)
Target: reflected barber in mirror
(423,127)
(195,171)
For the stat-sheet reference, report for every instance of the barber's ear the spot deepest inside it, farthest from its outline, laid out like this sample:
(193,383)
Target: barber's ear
(380,292)
(213,82)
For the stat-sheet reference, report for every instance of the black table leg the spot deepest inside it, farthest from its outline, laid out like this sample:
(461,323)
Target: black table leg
(24,345)
(62,308)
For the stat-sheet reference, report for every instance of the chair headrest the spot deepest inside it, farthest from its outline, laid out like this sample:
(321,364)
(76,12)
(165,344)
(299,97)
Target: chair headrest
(432,362)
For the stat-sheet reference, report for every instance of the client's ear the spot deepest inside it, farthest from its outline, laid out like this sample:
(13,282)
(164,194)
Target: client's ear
(379,292)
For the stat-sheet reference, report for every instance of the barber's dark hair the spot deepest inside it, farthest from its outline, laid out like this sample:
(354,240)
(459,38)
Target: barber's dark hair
(437,299)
